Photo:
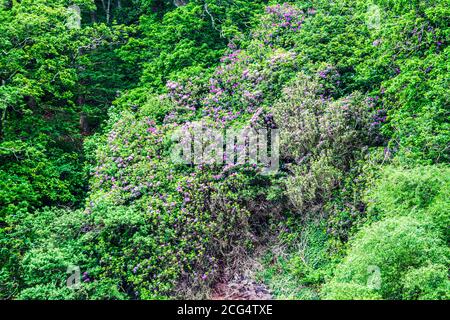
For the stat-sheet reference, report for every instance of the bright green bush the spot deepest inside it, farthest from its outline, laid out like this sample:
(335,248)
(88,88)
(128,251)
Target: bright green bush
(395,247)
(42,245)
(427,283)
(350,291)
(420,192)
(47,292)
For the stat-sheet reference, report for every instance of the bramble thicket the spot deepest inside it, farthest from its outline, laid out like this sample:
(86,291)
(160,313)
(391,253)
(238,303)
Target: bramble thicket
(91,99)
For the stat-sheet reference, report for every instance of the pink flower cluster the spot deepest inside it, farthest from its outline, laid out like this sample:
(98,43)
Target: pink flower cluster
(286,16)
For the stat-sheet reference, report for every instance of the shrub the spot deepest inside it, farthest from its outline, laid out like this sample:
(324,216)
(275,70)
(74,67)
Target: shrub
(310,185)
(321,139)
(420,192)
(46,292)
(394,246)
(161,228)
(45,243)
(427,283)
(350,291)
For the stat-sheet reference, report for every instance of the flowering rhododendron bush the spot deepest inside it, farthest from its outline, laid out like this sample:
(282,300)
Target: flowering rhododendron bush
(98,199)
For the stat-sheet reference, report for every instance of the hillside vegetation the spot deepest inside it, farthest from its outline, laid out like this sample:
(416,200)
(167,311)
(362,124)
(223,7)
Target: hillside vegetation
(358,91)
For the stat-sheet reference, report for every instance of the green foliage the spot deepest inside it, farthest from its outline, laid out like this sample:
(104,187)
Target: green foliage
(48,243)
(350,291)
(398,247)
(297,265)
(321,138)
(154,232)
(421,192)
(187,40)
(410,48)
(358,90)
(427,283)
(49,99)
(43,99)
(40,247)
(399,63)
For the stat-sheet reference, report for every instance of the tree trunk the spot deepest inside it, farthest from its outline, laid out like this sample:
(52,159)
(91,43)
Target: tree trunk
(107,9)
(108,12)
(84,124)
(93,17)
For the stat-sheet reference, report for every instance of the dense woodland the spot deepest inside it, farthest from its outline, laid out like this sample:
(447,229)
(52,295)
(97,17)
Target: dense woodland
(89,102)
